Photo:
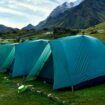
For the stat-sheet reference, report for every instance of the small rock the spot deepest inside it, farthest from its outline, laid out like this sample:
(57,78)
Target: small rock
(18,84)
(5,77)
(38,91)
(30,85)
(49,95)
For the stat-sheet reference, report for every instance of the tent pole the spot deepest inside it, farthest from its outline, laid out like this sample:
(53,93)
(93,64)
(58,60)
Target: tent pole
(72,88)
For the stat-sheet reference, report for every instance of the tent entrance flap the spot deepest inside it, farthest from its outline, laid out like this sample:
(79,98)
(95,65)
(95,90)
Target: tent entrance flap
(40,63)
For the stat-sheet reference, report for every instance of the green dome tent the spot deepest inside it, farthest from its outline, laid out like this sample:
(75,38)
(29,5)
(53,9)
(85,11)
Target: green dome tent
(7,54)
(67,61)
(30,57)
(77,59)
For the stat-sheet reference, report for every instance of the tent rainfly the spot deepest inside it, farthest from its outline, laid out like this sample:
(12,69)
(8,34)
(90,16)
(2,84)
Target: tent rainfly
(30,56)
(67,62)
(77,59)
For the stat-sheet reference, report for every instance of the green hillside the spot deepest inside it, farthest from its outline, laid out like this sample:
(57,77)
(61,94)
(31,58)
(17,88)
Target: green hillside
(88,13)
(97,31)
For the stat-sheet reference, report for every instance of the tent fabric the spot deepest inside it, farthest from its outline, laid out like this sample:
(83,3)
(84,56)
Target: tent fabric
(66,62)
(7,54)
(47,72)
(28,57)
(40,63)
(77,59)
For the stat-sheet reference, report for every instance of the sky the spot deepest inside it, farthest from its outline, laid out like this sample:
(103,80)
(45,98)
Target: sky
(19,13)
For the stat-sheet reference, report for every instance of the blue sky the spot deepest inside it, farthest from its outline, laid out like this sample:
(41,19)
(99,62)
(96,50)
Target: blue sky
(19,13)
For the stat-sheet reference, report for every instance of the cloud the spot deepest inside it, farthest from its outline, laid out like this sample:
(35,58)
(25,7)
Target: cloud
(11,11)
(18,13)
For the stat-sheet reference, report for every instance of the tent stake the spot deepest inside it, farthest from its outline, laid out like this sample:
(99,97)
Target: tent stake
(72,89)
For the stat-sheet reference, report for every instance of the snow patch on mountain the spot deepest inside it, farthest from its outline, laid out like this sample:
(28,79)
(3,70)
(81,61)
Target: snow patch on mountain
(65,6)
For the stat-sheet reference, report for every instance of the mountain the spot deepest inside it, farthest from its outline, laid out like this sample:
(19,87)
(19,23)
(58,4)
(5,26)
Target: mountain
(3,27)
(87,13)
(59,10)
(62,8)
(29,27)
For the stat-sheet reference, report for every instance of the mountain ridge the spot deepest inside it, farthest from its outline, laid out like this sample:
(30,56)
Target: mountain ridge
(3,27)
(29,27)
(59,10)
(87,13)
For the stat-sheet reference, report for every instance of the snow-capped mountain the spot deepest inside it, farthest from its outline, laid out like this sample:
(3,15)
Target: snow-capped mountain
(65,6)
(59,10)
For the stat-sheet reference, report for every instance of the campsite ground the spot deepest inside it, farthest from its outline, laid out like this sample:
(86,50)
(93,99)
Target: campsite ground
(9,95)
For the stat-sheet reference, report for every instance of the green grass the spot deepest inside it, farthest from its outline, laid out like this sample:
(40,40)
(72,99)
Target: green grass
(9,95)
(99,29)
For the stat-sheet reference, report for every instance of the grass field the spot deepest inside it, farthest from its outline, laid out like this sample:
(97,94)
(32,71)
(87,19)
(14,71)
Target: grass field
(9,94)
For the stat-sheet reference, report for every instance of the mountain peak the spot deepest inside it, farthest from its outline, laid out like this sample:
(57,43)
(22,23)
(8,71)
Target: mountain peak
(66,5)
(29,27)
(62,8)
(84,13)
(59,10)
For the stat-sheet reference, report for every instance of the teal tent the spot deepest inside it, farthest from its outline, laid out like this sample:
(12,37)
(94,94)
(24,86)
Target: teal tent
(30,57)
(77,59)
(7,54)
(66,62)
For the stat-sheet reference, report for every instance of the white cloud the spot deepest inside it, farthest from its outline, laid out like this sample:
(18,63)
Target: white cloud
(11,11)
(22,12)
